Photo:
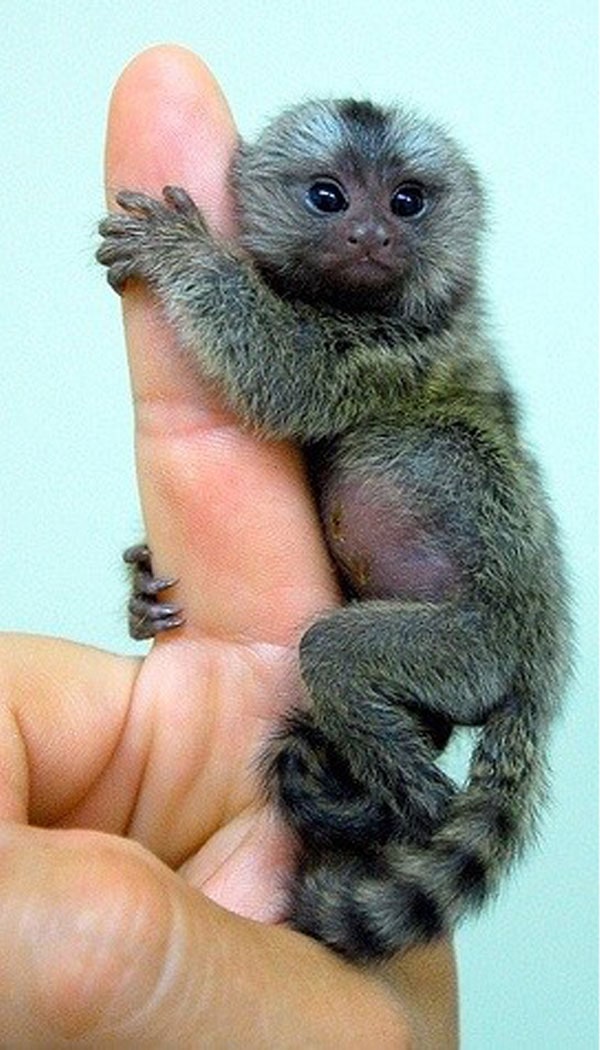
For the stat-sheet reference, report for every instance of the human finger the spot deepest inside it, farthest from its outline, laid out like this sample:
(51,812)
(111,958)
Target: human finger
(226,513)
(63,712)
(101,944)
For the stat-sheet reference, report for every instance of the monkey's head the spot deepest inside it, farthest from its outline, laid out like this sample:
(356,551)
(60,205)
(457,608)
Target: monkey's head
(360,206)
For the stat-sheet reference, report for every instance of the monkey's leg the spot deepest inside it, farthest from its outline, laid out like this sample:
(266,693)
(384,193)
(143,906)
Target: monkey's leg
(368,669)
(376,674)
(333,804)
(326,805)
(371,906)
(456,658)
(147,616)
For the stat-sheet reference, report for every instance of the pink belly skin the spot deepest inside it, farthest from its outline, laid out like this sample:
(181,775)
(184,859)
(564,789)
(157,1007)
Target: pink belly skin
(384,549)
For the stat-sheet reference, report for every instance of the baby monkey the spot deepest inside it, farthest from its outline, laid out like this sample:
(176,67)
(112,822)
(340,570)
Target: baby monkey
(348,316)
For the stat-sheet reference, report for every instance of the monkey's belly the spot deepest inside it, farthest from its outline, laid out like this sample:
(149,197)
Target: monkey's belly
(384,547)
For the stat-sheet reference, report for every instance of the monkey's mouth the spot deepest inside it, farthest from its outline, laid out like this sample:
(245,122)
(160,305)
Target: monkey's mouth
(362,271)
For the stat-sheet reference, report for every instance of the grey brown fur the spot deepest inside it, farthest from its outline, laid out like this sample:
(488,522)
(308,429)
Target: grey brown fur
(348,317)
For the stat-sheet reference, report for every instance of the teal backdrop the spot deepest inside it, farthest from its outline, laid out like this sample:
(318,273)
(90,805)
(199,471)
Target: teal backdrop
(516,81)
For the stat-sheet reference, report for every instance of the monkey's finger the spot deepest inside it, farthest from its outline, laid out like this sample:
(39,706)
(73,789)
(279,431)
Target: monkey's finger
(228,515)
(117,226)
(181,201)
(141,203)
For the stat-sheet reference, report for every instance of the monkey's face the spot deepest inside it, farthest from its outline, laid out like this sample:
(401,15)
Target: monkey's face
(354,229)
(364,207)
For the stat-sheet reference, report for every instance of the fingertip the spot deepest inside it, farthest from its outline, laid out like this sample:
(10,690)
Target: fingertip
(169,122)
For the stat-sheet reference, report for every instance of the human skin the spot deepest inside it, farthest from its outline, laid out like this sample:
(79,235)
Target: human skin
(141,870)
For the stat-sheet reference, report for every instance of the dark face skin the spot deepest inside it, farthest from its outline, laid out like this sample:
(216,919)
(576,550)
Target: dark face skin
(361,244)
(350,240)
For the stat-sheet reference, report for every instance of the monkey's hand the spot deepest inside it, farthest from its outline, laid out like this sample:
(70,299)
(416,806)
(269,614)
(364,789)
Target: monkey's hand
(264,351)
(138,240)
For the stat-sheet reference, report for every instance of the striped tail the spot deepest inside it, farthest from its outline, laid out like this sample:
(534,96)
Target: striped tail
(399,896)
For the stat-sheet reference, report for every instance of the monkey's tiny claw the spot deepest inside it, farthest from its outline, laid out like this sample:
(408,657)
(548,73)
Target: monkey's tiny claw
(148,617)
(132,201)
(154,584)
(117,276)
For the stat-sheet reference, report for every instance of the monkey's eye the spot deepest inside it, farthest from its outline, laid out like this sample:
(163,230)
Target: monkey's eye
(327,196)
(408,200)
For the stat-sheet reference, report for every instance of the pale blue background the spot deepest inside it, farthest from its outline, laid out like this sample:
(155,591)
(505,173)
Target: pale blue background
(516,80)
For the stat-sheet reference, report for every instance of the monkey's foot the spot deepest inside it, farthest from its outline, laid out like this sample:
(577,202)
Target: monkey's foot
(319,797)
(148,617)
(138,240)
(331,809)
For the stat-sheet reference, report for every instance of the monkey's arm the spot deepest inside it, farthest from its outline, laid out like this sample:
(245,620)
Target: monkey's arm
(271,357)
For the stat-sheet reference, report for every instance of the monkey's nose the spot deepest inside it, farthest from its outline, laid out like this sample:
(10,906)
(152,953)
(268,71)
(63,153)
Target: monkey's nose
(369,236)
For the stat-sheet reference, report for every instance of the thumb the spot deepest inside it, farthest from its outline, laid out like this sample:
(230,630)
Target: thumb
(101,944)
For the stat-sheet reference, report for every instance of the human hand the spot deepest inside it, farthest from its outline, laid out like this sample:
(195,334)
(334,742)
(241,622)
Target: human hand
(142,905)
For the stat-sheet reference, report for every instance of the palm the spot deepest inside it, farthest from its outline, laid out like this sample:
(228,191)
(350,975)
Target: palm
(197,716)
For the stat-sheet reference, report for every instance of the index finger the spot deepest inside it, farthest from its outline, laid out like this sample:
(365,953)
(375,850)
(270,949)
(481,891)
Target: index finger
(228,514)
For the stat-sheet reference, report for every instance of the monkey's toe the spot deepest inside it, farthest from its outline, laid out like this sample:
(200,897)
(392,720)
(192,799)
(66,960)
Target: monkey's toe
(138,555)
(148,617)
